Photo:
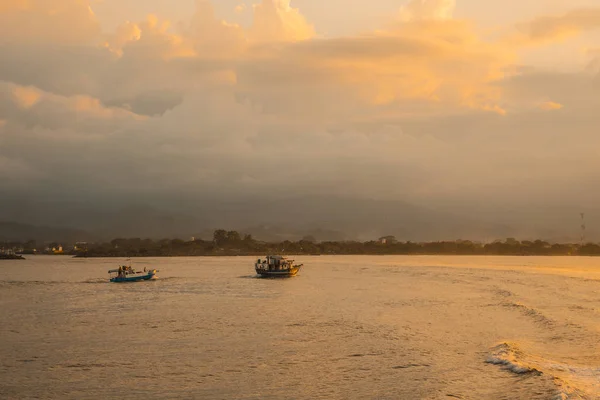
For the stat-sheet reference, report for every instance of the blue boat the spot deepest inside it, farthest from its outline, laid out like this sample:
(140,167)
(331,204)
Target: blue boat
(128,274)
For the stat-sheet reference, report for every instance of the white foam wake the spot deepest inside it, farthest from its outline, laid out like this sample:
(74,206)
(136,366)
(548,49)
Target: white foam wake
(572,382)
(511,357)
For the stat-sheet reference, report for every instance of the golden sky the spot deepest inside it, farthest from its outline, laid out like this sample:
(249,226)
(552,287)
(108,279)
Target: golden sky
(406,99)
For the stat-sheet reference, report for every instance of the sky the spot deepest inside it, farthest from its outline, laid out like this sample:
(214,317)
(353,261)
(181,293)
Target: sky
(428,101)
(338,17)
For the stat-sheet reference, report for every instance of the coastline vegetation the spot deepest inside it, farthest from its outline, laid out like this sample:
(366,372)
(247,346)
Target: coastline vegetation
(232,243)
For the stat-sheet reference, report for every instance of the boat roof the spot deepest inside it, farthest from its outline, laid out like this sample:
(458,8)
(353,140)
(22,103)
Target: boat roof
(277,257)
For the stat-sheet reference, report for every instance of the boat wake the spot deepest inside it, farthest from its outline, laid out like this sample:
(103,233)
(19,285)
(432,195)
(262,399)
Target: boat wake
(530,312)
(175,279)
(511,357)
(49,283)
(94,281)
(97,280)
(572,382)
(249,276)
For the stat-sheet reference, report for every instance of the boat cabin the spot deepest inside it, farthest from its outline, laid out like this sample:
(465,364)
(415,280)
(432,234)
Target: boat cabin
(276,266)
(123,271)
(128,274)
(274,263)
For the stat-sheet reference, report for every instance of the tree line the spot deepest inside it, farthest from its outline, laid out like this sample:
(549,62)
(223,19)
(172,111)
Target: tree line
(231,243)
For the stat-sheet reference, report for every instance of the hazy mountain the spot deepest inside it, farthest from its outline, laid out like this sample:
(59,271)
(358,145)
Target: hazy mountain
(329,218)
(13,231)
(325,218)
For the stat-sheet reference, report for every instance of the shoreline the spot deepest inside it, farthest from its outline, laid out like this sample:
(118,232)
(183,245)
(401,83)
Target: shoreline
(336,254)
(232,244)
(11,257)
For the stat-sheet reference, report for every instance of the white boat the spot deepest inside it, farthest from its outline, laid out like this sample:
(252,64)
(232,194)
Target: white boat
(276,266)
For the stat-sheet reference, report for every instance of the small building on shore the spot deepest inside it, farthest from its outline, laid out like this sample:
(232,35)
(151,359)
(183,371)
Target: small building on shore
(388,240)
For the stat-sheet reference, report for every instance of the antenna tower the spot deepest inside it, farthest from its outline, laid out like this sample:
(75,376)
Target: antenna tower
(582,238)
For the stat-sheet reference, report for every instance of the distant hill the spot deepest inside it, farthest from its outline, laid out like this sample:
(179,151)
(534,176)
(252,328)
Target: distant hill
(330,218)
(147,222)
(17,232)
(322,217)
(275,233)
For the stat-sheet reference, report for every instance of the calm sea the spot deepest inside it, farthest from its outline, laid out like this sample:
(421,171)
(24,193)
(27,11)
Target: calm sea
(344,328)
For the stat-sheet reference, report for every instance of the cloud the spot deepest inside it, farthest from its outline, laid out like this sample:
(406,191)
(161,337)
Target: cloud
(276,20)
(127,32)
(442,63)
(14,170)
(240,8)
(428,10)
(426,107)
(552,29)
(14,6)
(594,61)
(26,97)
(550,105)
(56,21)
(156,41)
(31,107)
(213,37)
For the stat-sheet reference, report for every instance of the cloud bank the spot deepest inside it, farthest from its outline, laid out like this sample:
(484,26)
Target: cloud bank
(428,107)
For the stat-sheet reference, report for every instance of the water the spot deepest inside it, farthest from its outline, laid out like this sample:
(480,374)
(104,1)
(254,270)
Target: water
(344,328)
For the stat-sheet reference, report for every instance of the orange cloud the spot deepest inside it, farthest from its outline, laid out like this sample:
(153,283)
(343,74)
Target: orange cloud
(150,39)
(125,33)
(493,108)
(443,62)
(550,105)
(565,25)
(43,21)
(277,21)
(31,106)
(425,56)
(14,5)
(93,108)
(240,8)
(428,10)
(212,37)
(26,97)
(557,28)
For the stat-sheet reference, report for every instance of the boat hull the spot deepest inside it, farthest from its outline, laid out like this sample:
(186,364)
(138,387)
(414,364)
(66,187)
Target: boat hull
(150,275)
(278,274)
